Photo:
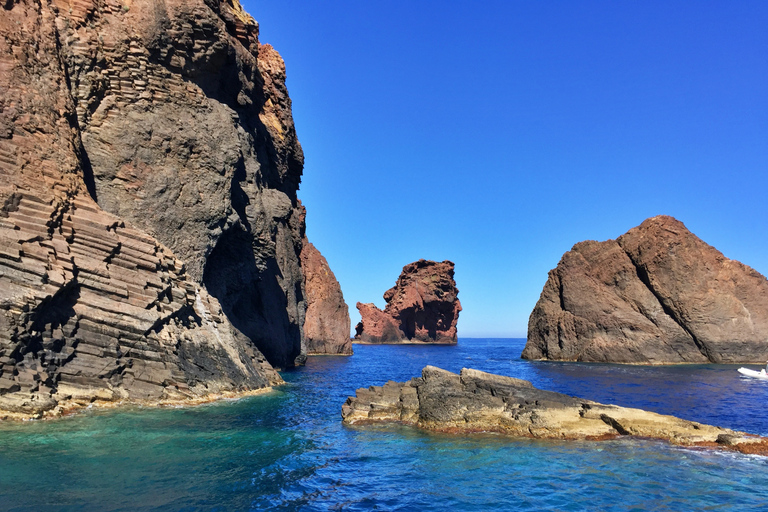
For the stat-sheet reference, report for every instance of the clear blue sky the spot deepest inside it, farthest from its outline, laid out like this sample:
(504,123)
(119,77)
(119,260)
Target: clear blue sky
(499,134)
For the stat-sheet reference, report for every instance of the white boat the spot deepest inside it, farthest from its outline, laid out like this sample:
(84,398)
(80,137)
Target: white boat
(752,373)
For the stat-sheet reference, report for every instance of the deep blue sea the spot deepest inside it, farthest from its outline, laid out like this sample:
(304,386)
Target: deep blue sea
(287,450)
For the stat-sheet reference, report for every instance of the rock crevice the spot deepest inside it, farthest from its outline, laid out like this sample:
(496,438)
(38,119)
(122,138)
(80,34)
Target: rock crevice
(642,274)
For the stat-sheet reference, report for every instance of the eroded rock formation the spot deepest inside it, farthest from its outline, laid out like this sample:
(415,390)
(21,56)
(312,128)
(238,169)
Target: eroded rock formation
(657,294)
(326,324)
(476,401)
(150,231)
(423,306)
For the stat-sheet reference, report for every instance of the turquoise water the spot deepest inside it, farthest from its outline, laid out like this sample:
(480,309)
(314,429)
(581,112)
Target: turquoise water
(287,450)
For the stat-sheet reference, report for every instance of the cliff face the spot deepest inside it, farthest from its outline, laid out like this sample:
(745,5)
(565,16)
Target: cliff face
(326,325)
(423,306)
(657,294)
(149,232)
(186,124)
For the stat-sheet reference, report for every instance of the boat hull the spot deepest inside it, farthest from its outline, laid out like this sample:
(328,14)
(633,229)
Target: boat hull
(752,373)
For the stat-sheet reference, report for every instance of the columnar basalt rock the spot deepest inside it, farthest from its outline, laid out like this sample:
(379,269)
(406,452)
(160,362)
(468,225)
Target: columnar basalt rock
(186,125)
(657,294)
(150,231)
(476,401)
(326,323)
(422,307)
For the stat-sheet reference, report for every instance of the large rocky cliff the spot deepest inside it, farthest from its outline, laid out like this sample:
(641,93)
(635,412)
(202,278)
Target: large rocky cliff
(150,231)
(657,294)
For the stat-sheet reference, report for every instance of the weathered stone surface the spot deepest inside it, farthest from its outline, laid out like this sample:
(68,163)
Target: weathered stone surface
(326,323)
(657,294)
(423,307)
(476,401)
(187,130)
(149,227)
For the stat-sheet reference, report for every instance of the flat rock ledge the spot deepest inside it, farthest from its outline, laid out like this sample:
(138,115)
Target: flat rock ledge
(73,406)
(476,401)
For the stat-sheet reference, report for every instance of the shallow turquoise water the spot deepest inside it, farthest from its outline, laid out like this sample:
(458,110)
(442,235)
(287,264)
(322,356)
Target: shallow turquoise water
(287,450)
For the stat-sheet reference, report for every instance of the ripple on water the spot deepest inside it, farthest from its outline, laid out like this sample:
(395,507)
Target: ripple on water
(289,451)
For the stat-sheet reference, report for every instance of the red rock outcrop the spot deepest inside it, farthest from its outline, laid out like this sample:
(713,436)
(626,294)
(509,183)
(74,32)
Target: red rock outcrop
(150,231)
(657,294)
(326,322)
(423,306)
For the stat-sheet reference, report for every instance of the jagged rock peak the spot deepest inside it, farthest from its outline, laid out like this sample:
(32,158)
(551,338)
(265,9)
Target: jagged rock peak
(657,294)
(423,306)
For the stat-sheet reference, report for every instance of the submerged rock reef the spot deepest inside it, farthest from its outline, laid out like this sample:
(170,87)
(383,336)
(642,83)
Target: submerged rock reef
(657,294)
(422,307)
(150,233)
(476,401)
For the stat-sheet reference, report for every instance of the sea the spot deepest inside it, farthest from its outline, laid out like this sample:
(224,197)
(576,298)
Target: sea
(288,450)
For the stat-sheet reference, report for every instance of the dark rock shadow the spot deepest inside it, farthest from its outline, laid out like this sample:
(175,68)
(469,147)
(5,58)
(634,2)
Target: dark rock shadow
(252,299)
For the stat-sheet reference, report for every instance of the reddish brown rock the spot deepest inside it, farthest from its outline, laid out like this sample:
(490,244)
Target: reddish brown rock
(423,306)
(657,294)
(149,227)
(326,323)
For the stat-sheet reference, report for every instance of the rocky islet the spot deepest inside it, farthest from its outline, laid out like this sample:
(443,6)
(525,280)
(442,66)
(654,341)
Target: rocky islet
(422,307)
(475,401)
(657,294)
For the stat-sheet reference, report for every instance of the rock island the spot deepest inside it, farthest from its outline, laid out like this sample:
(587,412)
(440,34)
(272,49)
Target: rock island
(476,401)
(422,307)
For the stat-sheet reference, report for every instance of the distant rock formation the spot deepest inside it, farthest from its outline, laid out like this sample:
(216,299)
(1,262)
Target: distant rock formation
(149,227)
(423,306)
(657,294)
(326,324)
(476,401)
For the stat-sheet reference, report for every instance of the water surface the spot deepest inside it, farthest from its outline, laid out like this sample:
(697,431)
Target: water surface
(287,450)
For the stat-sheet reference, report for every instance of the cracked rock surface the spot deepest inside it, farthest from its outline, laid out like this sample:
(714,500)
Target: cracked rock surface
(657,294)
(475,401)
(150,231)
(422,307)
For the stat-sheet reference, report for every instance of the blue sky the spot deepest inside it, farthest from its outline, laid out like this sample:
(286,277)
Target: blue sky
(499,134)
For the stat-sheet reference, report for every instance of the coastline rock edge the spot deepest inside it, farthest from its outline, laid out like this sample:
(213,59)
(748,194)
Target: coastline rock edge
(475,401)
(150,230)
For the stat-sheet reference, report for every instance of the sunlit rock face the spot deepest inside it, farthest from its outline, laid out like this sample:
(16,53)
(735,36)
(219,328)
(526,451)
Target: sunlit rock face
(657,294)
(476,401)
(150,231)
(423,306)
(326,324)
